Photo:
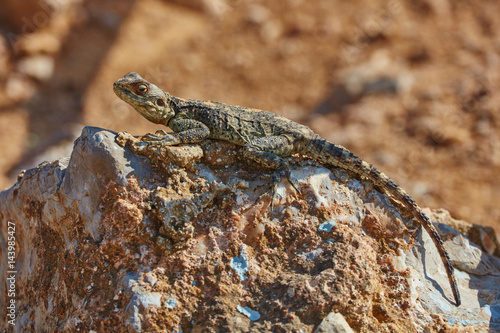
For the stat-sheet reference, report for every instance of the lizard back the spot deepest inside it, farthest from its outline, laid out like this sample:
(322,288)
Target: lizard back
(238,124)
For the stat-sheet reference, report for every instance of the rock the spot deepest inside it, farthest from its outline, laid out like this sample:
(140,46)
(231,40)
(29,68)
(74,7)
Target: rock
(215,8)
(381,75)
(40,67)
(40,42)
(334,323)
(127,239)
(19,87)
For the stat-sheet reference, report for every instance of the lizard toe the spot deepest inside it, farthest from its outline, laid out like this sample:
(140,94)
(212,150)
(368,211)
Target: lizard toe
(294,183)
(272,186)
(160,138)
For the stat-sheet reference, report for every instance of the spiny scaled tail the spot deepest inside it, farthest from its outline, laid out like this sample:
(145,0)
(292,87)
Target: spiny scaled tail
(325,152)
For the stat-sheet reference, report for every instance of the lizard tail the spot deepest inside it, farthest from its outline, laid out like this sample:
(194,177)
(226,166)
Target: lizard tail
(325,152)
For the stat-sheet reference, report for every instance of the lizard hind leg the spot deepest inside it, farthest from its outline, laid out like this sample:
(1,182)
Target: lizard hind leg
(268,152)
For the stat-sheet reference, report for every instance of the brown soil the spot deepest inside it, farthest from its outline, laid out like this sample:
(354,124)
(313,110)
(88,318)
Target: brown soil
(411,87)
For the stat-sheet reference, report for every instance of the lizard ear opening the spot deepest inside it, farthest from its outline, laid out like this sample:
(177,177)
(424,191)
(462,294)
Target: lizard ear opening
(160,102)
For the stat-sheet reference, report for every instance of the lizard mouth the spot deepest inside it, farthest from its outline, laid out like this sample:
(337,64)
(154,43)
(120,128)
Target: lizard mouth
(119,88)
(123,88)
(124,85)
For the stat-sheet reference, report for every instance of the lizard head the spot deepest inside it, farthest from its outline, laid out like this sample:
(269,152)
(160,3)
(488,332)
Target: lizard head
(150,101)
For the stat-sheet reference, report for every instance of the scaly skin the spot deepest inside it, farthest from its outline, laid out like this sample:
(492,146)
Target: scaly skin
(266,138)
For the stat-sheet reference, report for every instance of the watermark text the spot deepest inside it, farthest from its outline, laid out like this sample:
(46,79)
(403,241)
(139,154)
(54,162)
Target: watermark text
(11,273)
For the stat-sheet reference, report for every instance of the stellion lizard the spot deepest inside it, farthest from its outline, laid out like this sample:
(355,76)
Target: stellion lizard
(266,138)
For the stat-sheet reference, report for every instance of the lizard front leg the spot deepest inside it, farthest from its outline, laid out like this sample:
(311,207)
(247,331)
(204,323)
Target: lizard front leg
(185,131)
(268,152)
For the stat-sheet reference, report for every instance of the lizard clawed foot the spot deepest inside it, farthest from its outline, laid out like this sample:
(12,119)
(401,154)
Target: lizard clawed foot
(160,137)
(294,184)
(270,191)
(275,180)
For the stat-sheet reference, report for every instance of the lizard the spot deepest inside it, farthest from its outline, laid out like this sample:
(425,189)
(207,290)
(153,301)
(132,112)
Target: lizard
(267,138)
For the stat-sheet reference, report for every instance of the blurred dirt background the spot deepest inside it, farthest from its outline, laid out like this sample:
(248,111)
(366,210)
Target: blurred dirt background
(410,86)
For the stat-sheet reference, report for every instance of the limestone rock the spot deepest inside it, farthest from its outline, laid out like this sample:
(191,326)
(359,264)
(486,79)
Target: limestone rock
(334,323)
(146,239)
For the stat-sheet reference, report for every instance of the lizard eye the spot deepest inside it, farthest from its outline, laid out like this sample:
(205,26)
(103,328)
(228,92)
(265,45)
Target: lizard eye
(160,102)
(141,89)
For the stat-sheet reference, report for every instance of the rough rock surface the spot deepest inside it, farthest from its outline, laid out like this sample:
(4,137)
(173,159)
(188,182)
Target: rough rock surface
(185,242)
